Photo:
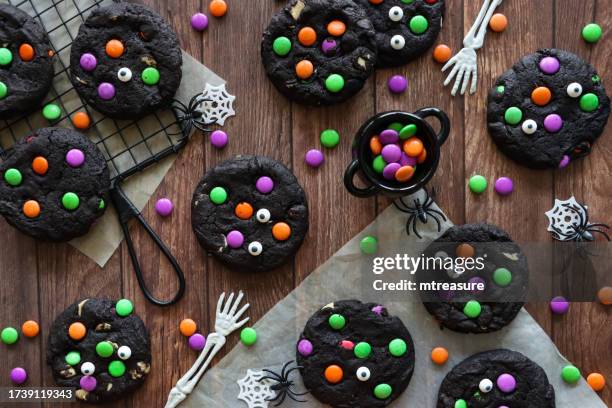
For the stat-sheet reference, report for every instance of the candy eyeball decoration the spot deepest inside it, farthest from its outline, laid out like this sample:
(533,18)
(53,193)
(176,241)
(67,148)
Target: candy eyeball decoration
(88,368)
(398,42)
(124,352)
(363,373)
(530,126)
(263,215)
(124,74)
(485,385)
(574,90)
(255,248)
(396,13)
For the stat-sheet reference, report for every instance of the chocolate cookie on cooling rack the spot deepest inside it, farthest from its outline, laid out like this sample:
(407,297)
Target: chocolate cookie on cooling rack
(100,348)
(126,61)
(250,212)
(26,65)
(54,184)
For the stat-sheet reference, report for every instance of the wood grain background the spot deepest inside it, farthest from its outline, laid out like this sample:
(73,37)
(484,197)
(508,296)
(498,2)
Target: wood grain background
(39,279)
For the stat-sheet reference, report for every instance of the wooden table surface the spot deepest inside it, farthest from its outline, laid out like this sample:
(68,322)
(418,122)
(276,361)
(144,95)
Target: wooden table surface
(40,279)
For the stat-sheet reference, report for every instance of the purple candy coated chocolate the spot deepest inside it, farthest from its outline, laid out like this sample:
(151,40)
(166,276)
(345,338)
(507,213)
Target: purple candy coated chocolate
(549,65)
(18,375)
(235,239)
(559,305)
(391,153)
(197,342)
(328,45)
(446,294)
(377,309)
(88,62)
(219,139)
(553,123)
(388,136)
(75,158)
(397,84)
(164,207)
(88,383)
(265,184)
(314,158)
(106,91)
(406,160)
(477,280)
(565,161)
(199,21)
(506,383)
(504,185)
(305,347)
(390,170)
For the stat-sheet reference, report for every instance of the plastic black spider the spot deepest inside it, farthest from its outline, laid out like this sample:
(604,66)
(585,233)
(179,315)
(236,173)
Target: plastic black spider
(283,384)
(583,231)
(420,212)
(188,116)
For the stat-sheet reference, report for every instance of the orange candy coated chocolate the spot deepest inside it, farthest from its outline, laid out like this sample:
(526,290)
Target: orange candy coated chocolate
(376,1)
(541,96)
(307,36)
(188,327)
(596,381)
(336,28)
(26,52)
(422,157)
(281,231)
(442,53)
(465,251)
(218,8)
(498,22)
(333,374)
(413,147)
(31,209)
(439,355)
(304,69)
(114,48)
(81,120)
(605,295)
(30,329)
(244,211)
(375,145)
(404,173)
(77,331)
(40,165)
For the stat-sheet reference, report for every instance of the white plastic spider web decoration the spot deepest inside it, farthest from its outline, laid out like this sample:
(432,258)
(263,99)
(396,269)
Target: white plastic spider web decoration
(253,392)
(218,105)
(563,219)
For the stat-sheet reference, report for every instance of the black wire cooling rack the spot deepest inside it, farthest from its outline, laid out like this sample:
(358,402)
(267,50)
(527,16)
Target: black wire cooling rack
(128,146)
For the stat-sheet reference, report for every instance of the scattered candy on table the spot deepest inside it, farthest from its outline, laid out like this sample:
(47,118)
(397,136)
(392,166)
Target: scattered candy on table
(9,335)
(330,138)
(504,186)
(314,158)
(397,84)
(369,245)
(596,381)
(164,207)
(219,139)
(218,8)
(605,295)
(248,336)
(570,374)
(199,21)
(30,328)
(188,327)
(591,33)
(18,375)
(442,53)
(559,305)
(439,355)
(51,112)
(197,342)
(81,120)
(498,22)
(478,184)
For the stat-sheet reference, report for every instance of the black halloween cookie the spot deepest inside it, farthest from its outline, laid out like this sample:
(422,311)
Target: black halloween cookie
(54,184)
(100,348)
(355,355)
(548,109)
(126,61)
(496,379)
(26,65)
(250,212)
(319,52)
(475,254)
(405,29)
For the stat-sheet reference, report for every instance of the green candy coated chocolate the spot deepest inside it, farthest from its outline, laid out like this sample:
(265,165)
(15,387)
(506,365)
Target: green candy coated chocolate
(218,195)
(124,307)
(104,349)
(513,115)
(73,358)
(52,112)
(472,309)
(407,1)
(369,245)
(13,177)
(408,131)
(3,90)
(330,138)
(595,79)
(116,368)
(334,83)
(9,335)
(70,201)
(150,76)
(591,33)
(570,374)
(281,46)
(589,102)
(336,321)
(501,89)
(396,126)
(383,391)
(378,164)
(478,184)
(6,56)
(102,205)
(418,24)
(502,277)
(362,350)
(397,347)
(460,404)
(248,336)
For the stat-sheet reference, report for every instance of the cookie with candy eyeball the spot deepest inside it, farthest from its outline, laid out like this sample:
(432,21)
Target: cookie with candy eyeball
(100,348)
(250,212)
(548,109)
(496,379)
(355,355)
(126,61)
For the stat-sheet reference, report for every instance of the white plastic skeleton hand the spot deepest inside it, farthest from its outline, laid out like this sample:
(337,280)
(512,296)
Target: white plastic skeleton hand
(226,322)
